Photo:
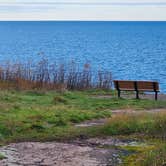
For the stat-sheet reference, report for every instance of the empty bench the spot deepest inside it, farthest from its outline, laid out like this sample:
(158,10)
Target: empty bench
(137,86)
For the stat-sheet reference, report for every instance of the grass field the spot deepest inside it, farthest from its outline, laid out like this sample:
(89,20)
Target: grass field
(49,115)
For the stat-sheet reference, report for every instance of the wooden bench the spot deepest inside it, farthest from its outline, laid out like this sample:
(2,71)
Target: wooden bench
(137,86)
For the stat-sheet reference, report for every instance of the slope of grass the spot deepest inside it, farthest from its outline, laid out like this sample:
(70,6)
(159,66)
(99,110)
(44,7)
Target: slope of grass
(36,113)
(48,115)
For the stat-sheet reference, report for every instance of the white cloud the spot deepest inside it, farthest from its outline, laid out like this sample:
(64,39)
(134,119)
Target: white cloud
(82,10)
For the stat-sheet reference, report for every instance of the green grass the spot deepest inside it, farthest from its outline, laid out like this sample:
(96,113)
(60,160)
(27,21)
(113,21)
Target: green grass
(155,157)
(2,157)
(48,116)
(145,123)
(35,113)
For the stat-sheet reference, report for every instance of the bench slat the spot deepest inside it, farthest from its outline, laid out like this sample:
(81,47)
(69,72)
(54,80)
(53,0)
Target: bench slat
(142,85)
(126,85)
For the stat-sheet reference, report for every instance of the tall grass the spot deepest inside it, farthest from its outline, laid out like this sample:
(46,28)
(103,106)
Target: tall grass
(153,125)
(155,157)
(44,75)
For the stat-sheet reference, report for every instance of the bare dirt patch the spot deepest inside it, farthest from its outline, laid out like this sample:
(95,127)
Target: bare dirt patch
(60,154)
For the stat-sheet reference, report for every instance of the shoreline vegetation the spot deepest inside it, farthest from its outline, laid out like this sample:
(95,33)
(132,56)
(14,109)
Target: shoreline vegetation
(44,103)
(50,76)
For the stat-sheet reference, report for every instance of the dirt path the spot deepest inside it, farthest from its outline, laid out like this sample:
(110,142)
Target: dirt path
(59,154)
(90,152)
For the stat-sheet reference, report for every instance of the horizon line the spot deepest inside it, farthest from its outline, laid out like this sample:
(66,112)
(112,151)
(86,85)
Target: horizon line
(87,3)
(76,20)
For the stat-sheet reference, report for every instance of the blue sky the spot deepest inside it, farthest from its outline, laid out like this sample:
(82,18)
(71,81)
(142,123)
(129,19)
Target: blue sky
(82,9)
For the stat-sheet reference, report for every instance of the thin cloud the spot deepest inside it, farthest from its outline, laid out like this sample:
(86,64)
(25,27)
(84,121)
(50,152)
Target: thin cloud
(83,10)
(87,3)
(40,6)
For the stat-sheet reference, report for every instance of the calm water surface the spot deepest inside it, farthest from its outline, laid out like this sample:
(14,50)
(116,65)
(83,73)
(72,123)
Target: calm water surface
(131,50)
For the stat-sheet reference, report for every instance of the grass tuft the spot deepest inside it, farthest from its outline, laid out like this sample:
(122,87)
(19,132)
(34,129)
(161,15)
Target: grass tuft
(2,157)
(59,99)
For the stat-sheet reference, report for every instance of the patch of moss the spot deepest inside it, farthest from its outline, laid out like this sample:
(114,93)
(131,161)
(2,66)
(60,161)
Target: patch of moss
(145,155)
(2,157)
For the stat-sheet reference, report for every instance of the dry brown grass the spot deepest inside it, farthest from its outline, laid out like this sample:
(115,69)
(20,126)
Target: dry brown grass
(151,124)
(47,76)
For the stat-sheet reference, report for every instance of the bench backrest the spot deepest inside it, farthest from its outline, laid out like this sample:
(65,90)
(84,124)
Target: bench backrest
(136,85)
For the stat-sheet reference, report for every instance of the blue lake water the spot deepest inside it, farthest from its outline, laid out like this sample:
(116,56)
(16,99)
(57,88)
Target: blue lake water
(131,50)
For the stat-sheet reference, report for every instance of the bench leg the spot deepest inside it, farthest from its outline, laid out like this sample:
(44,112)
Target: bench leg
(137,94)
(118,93)
(156,95)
